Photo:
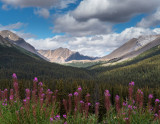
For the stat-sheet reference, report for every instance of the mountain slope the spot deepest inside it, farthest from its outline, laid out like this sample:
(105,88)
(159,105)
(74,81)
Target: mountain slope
(143,49)
(15,39)
(62,55)
(142,69)
(133,47)
(27,65)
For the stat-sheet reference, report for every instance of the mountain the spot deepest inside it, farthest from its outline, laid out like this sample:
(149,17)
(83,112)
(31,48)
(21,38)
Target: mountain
(62,55)
(15,39)
(58,55)
(4,42)
(78,56)
(143,69)
(134,47)
(14,59)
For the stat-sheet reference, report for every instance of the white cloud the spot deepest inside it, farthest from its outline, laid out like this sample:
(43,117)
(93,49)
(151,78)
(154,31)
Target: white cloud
(42,12)
(98,45)
(151,20)
(95,17)
(70,25)
(39,3)
(43,6)
(113,10)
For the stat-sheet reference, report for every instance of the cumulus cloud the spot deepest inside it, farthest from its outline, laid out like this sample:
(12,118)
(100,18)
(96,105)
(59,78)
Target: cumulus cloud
(42,12)
(70,25)
(38,3)
(151,20)
(98,45)
(113,10)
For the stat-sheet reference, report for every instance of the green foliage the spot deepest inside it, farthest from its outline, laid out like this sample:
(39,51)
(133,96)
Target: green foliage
(82,64)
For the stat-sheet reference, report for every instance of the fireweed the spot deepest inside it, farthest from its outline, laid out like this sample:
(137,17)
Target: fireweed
(42,107)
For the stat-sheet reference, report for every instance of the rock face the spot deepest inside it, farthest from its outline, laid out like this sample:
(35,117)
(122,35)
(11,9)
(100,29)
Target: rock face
(78,56)
(62,55)
(5,42)
(15,39)
(58,55)
(134,47)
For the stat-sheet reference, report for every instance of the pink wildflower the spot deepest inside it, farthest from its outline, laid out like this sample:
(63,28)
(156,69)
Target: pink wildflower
(107,100)
(14,76)
(35,79)
(65,116)
(75,93)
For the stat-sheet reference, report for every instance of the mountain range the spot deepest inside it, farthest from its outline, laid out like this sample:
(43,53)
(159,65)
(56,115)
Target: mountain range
(60,55)
(15,59)
(129,50)
(143,68)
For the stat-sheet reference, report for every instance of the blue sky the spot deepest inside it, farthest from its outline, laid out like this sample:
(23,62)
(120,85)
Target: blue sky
(92,27)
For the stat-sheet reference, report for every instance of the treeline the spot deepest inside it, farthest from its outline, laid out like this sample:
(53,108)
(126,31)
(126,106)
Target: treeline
(145,73)
(144,69)
(13,60)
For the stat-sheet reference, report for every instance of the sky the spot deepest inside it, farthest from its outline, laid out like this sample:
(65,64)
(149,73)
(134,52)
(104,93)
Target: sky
(91,27)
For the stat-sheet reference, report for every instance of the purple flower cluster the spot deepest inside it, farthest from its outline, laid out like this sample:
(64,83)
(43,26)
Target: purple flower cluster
(75,93)
(35,79)
(150,96)
(131,83)
(130,107)
(124,103)
(106,93)
(157,100)
(117,97)
(14,76)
